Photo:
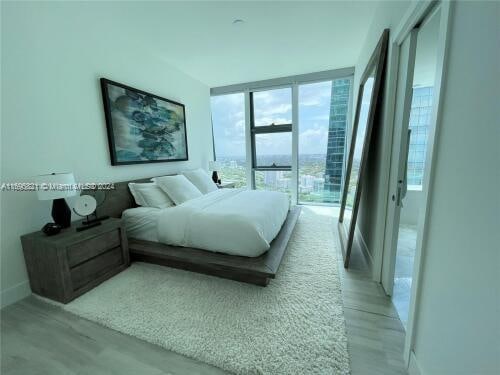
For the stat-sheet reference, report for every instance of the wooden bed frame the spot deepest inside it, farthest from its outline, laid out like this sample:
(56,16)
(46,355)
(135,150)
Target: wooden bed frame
(256,271)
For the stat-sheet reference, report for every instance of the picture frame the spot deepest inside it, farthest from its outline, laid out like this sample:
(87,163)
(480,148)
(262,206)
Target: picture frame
(368,100)
(143,127)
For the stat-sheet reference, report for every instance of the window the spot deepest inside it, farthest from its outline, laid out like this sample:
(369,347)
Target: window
(420,117)
(305,159)
(274,180)
(228,118)
(273,149)
(323,111)
(272,107)
(271,127)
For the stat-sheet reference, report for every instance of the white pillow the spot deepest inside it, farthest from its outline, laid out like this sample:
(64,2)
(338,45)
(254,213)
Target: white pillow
(201,180)
(178,188)
(149,195)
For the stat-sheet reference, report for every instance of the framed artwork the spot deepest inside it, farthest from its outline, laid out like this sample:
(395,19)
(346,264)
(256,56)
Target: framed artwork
(142,127)
(369,93)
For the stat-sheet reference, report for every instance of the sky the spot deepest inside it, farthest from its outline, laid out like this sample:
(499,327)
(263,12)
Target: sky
(363,118)
(228,116)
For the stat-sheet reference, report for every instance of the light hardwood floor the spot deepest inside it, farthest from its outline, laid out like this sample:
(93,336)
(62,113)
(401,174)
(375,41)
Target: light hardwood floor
(38,338)
(374,332)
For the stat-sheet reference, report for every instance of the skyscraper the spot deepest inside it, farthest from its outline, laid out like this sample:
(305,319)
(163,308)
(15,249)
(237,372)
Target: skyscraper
(334,167)
(420,117)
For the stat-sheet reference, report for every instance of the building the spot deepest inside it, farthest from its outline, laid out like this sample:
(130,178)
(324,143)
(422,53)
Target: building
(420,117)
(336,140)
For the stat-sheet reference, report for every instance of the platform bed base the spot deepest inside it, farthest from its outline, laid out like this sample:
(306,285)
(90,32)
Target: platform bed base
(256,271)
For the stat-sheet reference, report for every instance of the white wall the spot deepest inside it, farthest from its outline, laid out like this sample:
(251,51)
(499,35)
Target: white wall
(53,54)
(458,319)
(387,15)
(458,326)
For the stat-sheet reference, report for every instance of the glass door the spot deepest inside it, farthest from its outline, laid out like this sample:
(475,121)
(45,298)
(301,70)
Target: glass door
(399,154)
(414,108)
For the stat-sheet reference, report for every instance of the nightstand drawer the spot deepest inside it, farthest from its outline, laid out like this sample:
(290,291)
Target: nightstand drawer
(96,267)
(69,264)
(81,251)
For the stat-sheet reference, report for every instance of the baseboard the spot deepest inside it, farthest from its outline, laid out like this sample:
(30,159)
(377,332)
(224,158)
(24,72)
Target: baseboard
(413,367)
(14,293)
(364,249)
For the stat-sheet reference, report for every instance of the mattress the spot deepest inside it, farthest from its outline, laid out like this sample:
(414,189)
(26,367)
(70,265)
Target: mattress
(142,223)
(231,221)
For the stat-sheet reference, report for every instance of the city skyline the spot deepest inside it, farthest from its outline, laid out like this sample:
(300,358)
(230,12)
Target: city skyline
(323,111)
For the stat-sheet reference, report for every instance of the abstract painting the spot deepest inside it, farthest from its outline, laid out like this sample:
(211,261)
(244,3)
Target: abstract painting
(142,127)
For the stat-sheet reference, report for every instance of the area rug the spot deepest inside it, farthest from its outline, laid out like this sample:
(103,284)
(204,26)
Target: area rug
(295,325)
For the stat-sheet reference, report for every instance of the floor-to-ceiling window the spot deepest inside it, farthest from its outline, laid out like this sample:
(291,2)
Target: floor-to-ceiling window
(323,115)
(260,146)
(271,132)
(228,120)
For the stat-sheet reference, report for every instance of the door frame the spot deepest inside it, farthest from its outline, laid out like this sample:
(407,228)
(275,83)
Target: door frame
(413,18)
(398,149)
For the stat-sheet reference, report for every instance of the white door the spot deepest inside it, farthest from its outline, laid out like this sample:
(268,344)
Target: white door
(418,85)
(399,155)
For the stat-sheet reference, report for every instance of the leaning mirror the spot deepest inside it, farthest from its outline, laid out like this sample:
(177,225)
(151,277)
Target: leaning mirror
(370,89)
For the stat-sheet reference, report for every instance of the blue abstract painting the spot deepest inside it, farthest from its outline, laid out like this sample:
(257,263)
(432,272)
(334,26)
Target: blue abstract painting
(142,127)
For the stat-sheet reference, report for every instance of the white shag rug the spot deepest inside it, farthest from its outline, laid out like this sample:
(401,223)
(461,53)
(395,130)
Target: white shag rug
(295,325)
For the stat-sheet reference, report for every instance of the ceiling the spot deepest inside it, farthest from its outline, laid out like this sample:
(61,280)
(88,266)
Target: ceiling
(277,38)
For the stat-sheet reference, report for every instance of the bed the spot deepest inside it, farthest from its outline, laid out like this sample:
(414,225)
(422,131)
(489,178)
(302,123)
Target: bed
(212,222)
(230,221)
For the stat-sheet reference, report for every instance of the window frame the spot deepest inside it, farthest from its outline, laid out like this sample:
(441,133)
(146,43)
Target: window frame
(266,129)
(291,82)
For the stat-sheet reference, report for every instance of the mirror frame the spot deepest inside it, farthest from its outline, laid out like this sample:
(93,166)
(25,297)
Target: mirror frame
(376,64)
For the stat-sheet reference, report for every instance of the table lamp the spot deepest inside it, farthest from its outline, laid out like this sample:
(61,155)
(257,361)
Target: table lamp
(57,186)
(214,166)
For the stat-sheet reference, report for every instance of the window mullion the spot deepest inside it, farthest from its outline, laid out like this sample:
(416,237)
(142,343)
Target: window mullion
(285,128)
(295,143)
(249,141)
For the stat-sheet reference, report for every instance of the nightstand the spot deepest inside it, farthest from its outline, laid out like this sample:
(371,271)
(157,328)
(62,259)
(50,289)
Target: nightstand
(226,185)
(66,265)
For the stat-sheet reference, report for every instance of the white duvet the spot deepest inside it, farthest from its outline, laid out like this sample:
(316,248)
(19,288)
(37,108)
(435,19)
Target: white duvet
(231,221)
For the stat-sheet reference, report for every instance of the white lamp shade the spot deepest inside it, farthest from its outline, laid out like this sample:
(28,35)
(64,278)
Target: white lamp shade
(55,186)
(214,165)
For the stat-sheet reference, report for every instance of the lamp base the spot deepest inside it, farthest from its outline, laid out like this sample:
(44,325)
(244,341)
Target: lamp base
(61,213)
(215,177)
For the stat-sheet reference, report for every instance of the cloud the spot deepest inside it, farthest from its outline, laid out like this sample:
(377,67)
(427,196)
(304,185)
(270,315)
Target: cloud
(235,129)
(315,94)
(230,100)
(228,116)
(278,109)
(273,144)
(260,121)
(268,105)
(313,141)
(321,117)
(273,109)
(309,102)
(274,106)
